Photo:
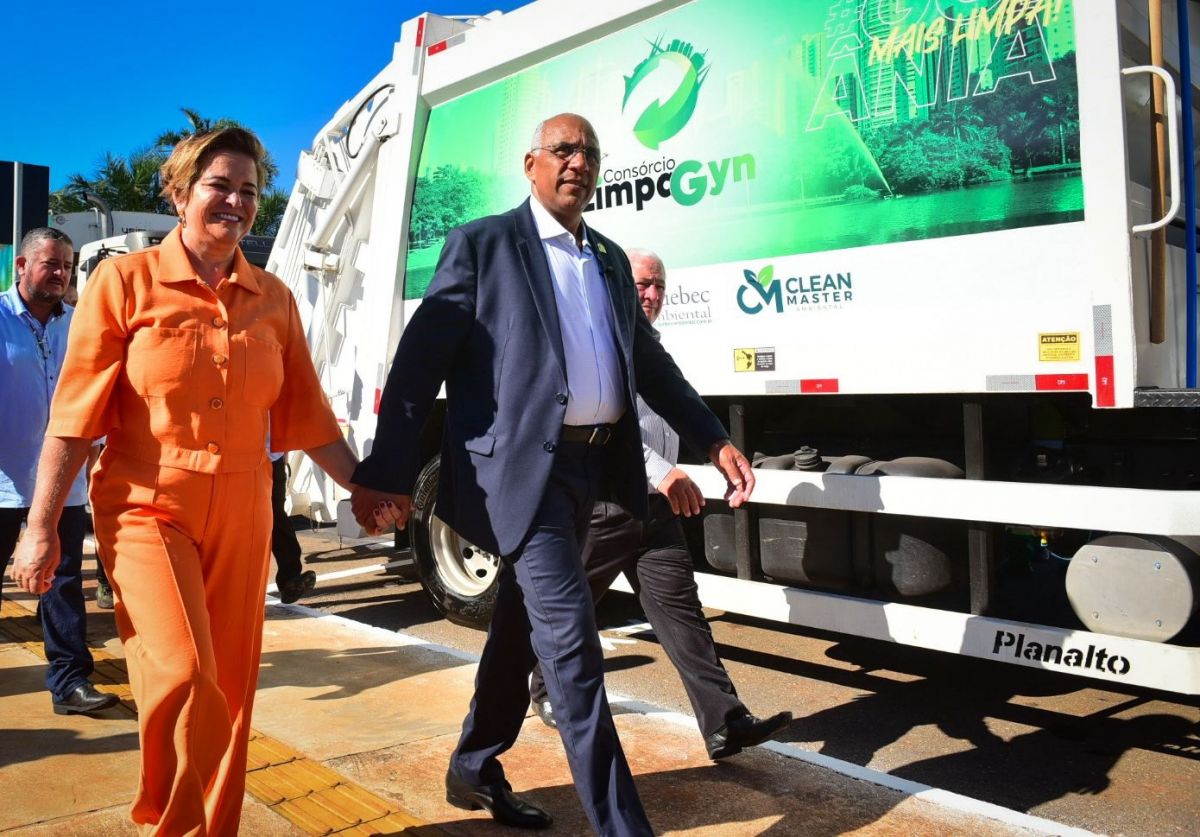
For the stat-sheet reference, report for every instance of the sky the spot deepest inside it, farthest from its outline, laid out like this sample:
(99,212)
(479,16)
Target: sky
(85,78)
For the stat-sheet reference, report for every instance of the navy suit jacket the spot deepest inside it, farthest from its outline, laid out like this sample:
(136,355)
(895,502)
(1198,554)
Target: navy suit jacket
(488,327)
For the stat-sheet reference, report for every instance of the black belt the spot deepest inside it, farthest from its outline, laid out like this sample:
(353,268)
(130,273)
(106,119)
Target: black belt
(588,434)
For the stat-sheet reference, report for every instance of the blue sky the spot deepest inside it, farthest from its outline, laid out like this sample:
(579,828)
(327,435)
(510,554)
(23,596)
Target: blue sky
(83,78)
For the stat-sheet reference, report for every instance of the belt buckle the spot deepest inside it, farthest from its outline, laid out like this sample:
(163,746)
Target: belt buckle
(600,436)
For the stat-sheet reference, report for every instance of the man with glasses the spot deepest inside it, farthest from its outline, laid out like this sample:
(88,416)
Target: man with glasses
(33,326)
(533,324)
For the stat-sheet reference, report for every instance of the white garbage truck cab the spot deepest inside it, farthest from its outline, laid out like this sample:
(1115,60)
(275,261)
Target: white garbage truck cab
(916,261)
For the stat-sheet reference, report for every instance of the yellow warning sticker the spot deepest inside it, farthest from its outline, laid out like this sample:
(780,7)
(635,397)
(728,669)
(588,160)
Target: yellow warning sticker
(761,359)
(1058,346)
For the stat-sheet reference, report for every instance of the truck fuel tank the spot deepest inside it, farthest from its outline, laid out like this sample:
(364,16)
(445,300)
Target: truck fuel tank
(1139,586)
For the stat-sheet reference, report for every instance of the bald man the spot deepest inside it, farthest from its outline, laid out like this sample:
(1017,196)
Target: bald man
(653,554)
(533,324)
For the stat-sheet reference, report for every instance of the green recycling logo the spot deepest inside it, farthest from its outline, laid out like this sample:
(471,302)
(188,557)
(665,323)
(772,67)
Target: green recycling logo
(662,120)
(763,291)
(767,291)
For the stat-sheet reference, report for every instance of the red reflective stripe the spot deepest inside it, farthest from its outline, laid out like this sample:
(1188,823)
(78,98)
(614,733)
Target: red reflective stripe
(1106,391)
(440,46)
(818,385)
(420,31)
(1061,381)
(378,398)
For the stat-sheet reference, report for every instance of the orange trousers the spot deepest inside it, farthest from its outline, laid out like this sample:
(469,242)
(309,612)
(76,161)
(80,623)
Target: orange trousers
(187,554)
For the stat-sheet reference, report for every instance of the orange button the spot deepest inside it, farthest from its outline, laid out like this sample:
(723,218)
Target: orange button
(213,447)
(218,322)
(219,359)
(216,403)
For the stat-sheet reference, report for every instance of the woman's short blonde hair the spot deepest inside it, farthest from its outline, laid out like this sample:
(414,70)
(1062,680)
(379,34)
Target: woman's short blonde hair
(190,157)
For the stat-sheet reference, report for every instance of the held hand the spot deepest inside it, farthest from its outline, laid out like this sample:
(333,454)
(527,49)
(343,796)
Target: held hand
(736,468)
(35,560)
(683,494)
(376,511)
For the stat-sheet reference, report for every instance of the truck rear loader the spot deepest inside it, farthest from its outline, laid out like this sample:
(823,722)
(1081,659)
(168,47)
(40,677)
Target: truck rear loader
(917,260)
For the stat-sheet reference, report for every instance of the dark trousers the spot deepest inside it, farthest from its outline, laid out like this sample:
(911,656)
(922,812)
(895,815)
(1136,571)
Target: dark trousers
(543,613)
(654,557)
(284,545)
(60,609)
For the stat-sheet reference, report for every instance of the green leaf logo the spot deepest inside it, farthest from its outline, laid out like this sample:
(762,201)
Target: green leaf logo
(766,276)
(662,120)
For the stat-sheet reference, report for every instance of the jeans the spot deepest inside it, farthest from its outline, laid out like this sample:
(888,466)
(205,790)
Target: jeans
(61,609)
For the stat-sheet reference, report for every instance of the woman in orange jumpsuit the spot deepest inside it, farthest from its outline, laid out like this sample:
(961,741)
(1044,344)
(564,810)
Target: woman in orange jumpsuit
(181,354)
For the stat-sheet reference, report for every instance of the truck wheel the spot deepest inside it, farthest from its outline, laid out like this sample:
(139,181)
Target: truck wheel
(459,577)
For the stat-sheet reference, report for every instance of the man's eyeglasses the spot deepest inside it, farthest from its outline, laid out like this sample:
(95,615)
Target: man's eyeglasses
(566,151)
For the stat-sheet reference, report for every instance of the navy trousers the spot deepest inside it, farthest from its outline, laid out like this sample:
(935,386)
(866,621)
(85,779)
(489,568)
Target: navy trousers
(544,613)
(60,609)
(654,556)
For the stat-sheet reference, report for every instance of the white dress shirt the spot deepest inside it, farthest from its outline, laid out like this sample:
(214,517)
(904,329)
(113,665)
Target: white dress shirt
(595,391)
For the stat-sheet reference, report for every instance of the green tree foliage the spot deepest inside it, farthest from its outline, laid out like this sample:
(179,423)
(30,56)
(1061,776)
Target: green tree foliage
(918,157)
(132,184)
(1017,126)
(271,206)
(198,124)
(448,197)
(129,184)
(1038,122)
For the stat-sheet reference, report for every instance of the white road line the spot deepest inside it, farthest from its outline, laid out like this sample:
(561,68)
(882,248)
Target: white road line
(937,796)
(629,628)
(369,569)
(926,793)
(395,637)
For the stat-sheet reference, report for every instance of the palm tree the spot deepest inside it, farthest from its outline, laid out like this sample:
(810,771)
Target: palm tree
(131,184)
(957,119)
(198,124)
(271,207)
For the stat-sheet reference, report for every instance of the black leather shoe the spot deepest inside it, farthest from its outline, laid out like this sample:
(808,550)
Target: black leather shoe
(745,731)
(545,711)
(498,800)
(84,700)
(296,588)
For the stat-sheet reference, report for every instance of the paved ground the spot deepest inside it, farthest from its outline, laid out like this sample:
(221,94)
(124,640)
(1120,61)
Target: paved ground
(354,726)
(1084,753)
(361,695)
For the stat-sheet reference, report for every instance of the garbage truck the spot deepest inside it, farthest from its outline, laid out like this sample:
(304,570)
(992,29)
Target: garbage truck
(928,260)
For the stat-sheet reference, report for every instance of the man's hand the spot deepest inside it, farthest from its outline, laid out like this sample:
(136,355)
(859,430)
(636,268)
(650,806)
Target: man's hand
(35,560)
(736,468)
(683,494)
(376,511)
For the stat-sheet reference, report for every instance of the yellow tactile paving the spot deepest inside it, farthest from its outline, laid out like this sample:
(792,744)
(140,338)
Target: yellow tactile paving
(294,779)
(20,624)
(312,797)
(266,752)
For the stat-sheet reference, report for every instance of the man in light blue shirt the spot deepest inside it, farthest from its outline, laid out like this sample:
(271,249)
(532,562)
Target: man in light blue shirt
(33,333)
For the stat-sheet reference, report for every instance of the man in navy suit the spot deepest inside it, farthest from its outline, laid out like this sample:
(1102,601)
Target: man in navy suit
(533,324)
